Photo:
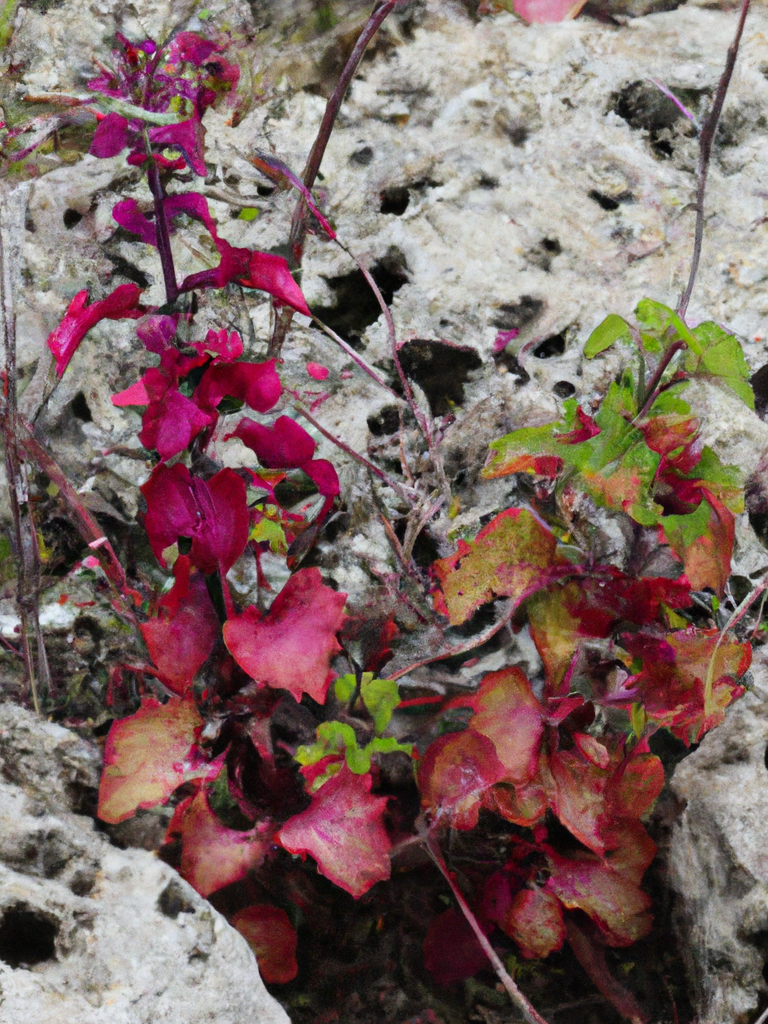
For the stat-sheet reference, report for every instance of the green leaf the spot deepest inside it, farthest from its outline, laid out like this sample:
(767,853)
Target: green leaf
(661,327)
(614,328)
(380,697)
(248,213)
(268,531)
(345,686)
(721,356)
(332,738)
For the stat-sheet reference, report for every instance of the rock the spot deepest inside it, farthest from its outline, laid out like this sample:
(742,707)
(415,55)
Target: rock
(718,859)
(93,934)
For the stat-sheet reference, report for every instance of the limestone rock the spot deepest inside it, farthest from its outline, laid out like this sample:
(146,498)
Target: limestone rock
(718,858)
(94,934)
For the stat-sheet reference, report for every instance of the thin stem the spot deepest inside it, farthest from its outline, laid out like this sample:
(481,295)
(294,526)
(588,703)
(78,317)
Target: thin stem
(706,140)
(25,536)
(385,477)
(161,228)
(528,1011)
(356,358)
(299,221)
(655,381)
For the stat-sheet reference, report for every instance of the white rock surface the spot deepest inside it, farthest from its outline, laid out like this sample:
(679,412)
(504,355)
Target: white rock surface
(719,858)
(91,934)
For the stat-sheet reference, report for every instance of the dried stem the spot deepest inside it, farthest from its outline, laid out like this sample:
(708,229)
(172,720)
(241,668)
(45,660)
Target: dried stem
(514,993)
(299,221)
(706,140)
(25,535)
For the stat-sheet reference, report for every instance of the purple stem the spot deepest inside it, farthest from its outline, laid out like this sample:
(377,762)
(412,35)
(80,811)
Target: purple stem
(678,103)
(161,228)
(706,139)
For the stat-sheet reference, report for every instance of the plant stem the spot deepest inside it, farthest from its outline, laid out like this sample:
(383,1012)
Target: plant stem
(161,228)
(653,384)
(25,534)
(385,477)
(706,140)
(299,221)
(356,358)
(514,993)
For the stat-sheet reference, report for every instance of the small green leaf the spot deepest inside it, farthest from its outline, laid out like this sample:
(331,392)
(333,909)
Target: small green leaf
(268,531)
(611,330)
(660,327)
(388,745)
(248,213)
(380,697)
(345,686)
(638,718)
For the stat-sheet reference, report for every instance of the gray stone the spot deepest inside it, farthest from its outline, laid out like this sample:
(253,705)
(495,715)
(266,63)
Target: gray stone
(94,934)
(718,858)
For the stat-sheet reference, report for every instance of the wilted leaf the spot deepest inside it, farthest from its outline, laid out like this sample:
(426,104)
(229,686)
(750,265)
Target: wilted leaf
(343,829)
(147,756)
(510,557)
(272,937)
(292,645)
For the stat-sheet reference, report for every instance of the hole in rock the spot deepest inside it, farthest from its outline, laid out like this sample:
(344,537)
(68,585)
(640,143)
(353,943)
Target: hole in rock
(173,901)
(441,369)
(395,199)
(518,314)
(27,936)
(644,106)
(385,422)
(759,382)
(551,245)
(603,200)
(564,389)
(509,359)
(356,307)
(70,218)
(80,408)
(362,156)
(487,181)
(265,190)
(552,346)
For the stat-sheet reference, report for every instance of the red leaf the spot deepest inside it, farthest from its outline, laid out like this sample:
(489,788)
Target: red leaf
(451,950)
(324,476)
(614,902)
(64,340)
(508,714)
(672,680)
(292,645)
(213,513)
(510,557)
(535,922)
(545,12)
(522,805)
(256,384)
(147,756)
(587,428)
(343,829)
(455,773)
(225,348)
(286,445)
(213,856)
(706,558)
(317,371)
(182,636)
(579,800)
(272,937)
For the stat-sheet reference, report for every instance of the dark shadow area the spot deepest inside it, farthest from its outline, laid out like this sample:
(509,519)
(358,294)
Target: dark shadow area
(441,369)
(27,937)
(355,307)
